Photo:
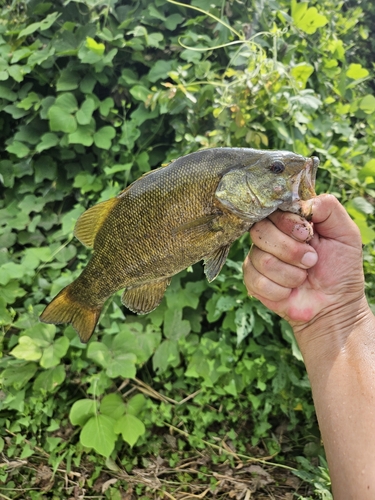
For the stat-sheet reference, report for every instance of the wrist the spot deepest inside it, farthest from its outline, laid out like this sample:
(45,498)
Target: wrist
(333,331)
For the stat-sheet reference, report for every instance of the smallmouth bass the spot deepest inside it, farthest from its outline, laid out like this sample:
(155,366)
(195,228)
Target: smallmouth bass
(190,210)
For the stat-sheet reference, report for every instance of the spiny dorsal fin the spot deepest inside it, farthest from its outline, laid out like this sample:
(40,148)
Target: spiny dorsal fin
(92,220)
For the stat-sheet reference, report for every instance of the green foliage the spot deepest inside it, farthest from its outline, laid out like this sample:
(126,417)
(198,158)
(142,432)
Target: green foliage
(93,95)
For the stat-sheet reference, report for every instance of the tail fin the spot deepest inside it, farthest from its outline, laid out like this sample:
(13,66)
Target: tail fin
(63,309)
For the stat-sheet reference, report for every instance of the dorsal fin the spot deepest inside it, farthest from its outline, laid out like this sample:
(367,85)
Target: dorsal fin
(92,220)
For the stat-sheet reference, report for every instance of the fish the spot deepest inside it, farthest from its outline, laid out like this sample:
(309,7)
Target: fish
(190,210)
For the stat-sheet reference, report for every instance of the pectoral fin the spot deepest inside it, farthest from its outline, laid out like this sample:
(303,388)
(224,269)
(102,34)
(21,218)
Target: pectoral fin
(214,262)
(199,228)
(145,298)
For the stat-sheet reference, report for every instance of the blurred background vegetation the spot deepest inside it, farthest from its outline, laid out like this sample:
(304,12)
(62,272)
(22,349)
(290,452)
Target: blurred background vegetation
(207,395)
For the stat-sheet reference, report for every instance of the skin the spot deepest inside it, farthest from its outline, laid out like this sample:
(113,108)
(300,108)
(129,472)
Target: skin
(318,287)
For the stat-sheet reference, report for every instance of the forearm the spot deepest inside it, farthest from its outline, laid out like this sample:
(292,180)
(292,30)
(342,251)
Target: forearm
(340,360)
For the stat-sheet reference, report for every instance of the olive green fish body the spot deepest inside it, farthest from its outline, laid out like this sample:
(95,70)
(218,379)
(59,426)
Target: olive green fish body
(191,210)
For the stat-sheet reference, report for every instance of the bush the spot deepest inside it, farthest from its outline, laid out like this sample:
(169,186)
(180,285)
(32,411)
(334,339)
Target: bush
(93,95)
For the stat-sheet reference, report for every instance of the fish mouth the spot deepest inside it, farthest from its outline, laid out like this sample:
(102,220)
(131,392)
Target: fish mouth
(304,182)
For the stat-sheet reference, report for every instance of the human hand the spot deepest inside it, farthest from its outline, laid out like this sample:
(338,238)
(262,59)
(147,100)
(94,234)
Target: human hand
(301,281)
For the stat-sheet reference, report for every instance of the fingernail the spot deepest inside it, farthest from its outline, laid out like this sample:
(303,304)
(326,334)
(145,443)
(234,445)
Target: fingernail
(309,259)
(302,232)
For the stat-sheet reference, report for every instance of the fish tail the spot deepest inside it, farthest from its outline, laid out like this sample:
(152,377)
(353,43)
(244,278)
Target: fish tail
(64,309)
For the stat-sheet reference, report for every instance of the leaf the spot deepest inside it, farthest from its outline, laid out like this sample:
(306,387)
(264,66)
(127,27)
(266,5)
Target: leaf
(302,73)
(172,21)
(167,354)
(367,104)
(368,170)
(160,70)
(48,380)
(42,25)
(106,106)
(19,149)
(113,406)
(367,233)
(17,375)
(135,404)
(82,135)
(60,120)
(82,410)
(309,20)
(84,114)
(122,365)
(99,353)
(97,48)
(53,353)
(68,80)
(131,428)
(47,141)
(139,92)
(356,71)
(27,349)
(98,433)
(103,137)
(175,327)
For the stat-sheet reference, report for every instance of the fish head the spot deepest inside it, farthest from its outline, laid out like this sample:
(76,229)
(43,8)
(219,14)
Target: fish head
(269,181)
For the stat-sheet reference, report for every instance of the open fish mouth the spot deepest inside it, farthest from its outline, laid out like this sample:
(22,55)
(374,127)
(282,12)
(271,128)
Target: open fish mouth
(304,182)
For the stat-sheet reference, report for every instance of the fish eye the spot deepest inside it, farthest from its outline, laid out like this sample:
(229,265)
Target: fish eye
(277,167)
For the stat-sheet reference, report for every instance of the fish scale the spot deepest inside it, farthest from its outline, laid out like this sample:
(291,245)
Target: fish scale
(190,210)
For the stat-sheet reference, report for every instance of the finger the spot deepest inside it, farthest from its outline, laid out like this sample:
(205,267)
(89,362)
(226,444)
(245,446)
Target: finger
(275,270)
(293,225)
(332,221)
(266,236)
(260,286)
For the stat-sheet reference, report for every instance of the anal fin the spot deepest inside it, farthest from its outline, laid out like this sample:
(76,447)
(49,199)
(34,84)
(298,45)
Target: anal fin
(145,298)
(214,262)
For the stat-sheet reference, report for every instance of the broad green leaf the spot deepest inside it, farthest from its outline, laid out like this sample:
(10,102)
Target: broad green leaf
(368,170)
(27,349)
(172,21)
(98,433)
(82,410)
(160,70)
(60,120)
(103,137)
(83,135)
(85,112)
(310,20)
(106,106)
(302,72)
(367,233)
(175,327)
(67,102)
(367,104)
(53,353)
(18,148)
(122,365)
(139,92)
(17,375)
(356,71)
(68,80)
(48,380)
(359,205)
(97,48)
(42,25)
(131,428)
(99,353)
(47,141)
(113,406)
(135,404)
(167,354)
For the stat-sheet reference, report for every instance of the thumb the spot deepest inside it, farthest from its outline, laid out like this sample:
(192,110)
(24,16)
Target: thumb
(332,221)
